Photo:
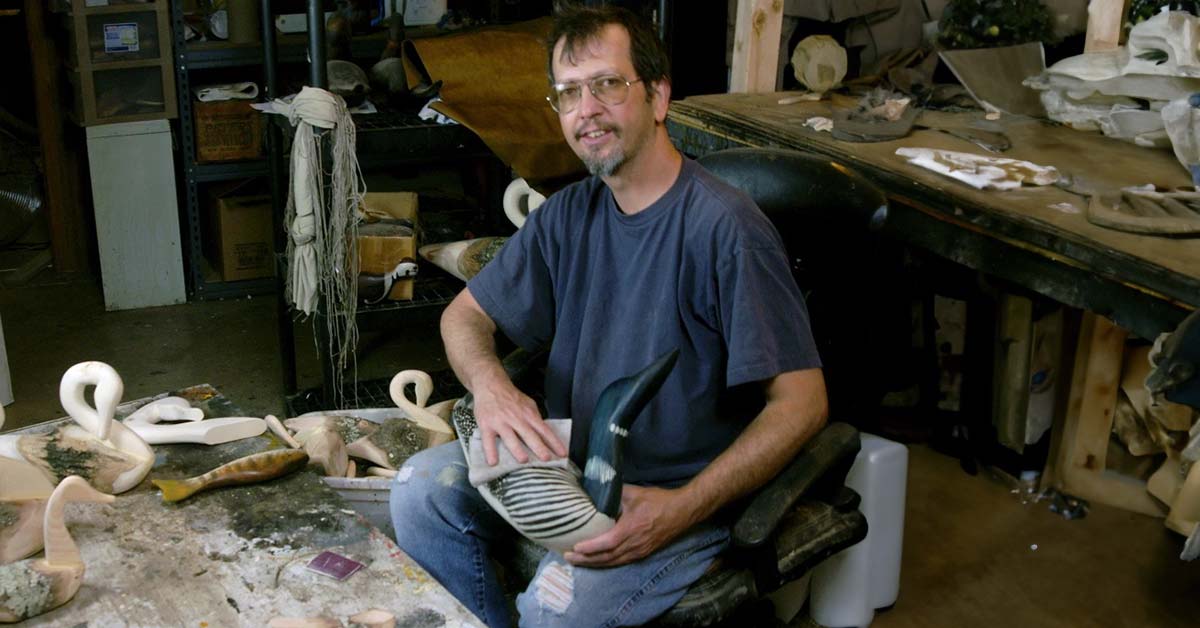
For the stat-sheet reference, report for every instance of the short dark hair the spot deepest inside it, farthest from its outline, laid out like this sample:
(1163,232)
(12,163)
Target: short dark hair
(578,26)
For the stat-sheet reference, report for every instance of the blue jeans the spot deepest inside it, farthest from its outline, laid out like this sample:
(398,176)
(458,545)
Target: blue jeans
(444,524)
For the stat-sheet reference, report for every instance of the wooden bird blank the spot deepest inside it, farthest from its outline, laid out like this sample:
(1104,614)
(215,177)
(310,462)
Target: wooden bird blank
(32,587)
(23,494)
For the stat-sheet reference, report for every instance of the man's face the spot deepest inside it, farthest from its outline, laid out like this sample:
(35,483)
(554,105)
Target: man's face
(605,137)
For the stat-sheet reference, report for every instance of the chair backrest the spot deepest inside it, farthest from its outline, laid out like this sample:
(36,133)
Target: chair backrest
(804,195)
(828,217)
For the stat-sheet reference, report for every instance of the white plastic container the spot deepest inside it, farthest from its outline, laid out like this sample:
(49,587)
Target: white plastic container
(850,585)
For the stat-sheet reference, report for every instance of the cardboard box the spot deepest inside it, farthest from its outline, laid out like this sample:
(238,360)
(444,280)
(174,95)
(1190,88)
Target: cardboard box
(227,130)
(386,243)
(241,237)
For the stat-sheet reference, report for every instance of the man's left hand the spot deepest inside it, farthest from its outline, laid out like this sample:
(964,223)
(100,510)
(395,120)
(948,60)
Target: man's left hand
(650,518)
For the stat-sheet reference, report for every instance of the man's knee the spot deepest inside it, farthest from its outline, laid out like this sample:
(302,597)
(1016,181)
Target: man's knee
(550,599)
(426,483)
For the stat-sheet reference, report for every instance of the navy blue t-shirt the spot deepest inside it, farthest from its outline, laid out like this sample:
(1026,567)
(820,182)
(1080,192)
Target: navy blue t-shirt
(701,270)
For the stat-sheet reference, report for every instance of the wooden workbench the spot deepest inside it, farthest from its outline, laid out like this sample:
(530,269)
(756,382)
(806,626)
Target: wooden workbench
(1145,283)
(236,556)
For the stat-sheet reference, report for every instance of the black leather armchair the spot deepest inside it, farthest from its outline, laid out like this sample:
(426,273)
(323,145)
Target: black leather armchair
(806,513)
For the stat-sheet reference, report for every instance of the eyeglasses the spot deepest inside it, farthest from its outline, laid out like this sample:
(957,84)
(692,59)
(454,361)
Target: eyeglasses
(609,89)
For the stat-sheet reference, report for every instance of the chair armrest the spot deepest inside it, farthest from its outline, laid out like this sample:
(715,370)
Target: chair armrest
(823,461)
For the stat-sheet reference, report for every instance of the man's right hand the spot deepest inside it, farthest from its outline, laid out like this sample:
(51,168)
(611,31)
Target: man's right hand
(503,410)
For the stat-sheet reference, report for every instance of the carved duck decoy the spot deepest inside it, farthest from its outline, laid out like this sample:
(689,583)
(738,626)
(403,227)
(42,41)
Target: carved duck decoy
(344,76)
(106,453)
(23,494)
(463,258)
(399,74)
(32,587)
(547,504)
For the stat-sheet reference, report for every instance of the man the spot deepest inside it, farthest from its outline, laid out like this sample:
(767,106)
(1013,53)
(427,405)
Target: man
(649,254)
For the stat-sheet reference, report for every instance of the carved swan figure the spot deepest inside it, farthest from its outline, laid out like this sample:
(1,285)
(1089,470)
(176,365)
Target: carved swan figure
(23,494)
(32,587)
(105,452)
(432,418)
(547,504)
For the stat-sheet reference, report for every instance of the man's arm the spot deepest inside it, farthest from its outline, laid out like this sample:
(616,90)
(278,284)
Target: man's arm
(500,408)
(795,411)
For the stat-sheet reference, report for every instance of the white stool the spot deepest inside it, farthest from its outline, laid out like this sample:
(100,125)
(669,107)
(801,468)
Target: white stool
(850,585)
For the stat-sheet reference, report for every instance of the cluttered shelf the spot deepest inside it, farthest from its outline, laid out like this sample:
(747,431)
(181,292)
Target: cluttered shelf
(292,48)
(396,137)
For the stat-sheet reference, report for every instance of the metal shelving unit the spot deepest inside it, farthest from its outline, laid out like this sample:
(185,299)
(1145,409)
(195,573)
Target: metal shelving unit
(187,59)
(384,140)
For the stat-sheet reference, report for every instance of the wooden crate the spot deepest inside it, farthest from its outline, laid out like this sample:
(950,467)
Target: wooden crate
(120,61)
(227,130)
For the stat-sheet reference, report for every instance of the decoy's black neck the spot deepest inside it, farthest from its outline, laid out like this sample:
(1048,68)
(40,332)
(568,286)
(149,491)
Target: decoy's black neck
(616,408)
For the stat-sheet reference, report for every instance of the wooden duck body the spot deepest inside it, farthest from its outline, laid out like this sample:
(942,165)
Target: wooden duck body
(549,505)
(23,494)
(103,451)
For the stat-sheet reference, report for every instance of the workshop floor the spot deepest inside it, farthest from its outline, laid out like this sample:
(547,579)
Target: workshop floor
(973,555)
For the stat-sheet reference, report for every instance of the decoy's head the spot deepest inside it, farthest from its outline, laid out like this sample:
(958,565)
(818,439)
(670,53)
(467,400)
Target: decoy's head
(616,408)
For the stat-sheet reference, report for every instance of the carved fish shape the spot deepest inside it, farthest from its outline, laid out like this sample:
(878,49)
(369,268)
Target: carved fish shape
(258,467)
(548,505)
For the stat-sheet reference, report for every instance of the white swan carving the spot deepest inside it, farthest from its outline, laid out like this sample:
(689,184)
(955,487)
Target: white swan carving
(433,418)
(32,587)
(106,453)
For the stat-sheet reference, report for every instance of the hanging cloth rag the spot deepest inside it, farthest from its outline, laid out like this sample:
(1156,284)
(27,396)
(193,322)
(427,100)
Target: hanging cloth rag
(322,249)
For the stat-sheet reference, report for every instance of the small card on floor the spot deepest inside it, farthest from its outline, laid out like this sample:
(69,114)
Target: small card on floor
(334,565)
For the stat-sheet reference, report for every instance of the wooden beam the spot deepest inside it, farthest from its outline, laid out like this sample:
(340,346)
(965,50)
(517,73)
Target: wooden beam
(1011,388)
(1105,20)
(1081,455)
(68,241)
(756,46)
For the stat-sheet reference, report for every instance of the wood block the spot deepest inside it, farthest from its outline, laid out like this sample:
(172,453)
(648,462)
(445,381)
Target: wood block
(384,244)
(1105,19)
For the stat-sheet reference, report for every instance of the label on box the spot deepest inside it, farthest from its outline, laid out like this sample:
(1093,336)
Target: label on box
(121,37)
(423,12)
(252,255)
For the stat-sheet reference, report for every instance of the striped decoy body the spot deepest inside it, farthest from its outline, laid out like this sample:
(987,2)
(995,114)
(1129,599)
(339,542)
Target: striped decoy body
(550,505)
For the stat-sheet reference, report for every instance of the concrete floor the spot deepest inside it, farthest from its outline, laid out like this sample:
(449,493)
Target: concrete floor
(968,557)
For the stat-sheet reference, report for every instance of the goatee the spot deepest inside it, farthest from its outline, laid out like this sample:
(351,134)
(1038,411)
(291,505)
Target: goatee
(604,166)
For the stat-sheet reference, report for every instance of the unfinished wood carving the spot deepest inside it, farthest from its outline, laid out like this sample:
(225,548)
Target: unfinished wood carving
(23,494)
(324,444)
(416,410)
(374,618)
(259,467)
(464,258)
(32,587)
(147,423)
(106,453)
